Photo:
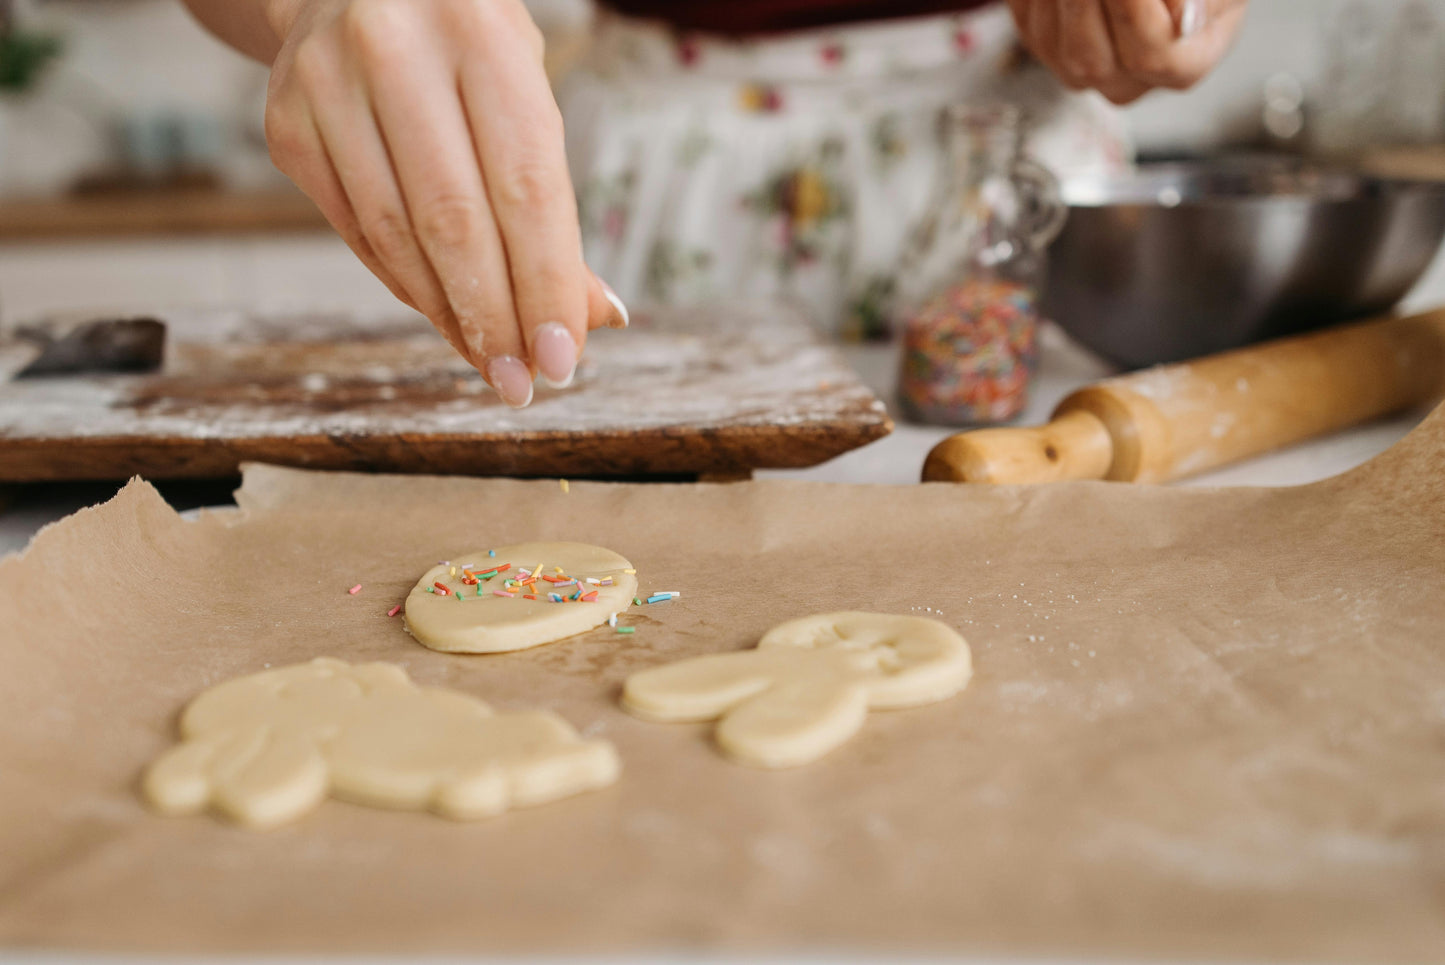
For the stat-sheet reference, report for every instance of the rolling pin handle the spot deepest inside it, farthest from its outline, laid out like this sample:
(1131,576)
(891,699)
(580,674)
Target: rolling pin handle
(1076,445)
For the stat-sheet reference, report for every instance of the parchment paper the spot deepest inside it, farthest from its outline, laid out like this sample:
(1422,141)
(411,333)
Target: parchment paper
(1205,724)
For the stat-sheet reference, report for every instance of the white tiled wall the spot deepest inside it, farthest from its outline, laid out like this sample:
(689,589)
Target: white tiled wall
(1295,37)
(133,57)
(123,58)
(264,273)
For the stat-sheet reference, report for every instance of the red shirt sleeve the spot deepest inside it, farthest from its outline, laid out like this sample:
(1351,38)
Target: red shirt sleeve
(738,17)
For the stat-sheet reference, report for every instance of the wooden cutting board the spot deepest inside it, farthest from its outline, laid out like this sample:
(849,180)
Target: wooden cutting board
(715,392)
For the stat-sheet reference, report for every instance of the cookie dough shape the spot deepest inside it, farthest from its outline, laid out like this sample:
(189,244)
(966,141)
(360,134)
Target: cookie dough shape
(487,623)
(809,684)
(265,749)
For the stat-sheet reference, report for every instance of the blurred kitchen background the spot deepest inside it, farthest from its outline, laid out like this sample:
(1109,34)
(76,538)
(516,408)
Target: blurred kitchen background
(127,133)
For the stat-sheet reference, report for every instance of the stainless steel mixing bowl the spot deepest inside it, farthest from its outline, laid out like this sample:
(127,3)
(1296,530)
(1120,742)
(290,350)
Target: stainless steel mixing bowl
(1181,260)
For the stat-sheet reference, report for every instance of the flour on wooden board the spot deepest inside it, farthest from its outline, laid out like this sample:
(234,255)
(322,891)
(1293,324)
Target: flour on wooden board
(231,376)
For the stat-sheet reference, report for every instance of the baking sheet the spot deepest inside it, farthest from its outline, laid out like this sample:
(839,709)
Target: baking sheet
(1204,724)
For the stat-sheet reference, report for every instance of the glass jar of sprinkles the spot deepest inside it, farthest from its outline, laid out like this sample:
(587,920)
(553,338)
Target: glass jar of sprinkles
(969,280)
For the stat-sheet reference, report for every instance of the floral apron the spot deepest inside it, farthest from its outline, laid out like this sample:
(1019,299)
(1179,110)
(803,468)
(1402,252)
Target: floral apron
(792,167)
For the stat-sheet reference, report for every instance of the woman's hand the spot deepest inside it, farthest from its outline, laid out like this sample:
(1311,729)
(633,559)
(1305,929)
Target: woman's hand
(427,133)
(1124,48)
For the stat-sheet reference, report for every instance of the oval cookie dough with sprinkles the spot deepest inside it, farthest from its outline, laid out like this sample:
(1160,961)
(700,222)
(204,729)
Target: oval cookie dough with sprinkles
(515,597)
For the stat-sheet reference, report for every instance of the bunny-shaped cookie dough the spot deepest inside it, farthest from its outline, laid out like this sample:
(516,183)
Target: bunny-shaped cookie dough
(809,684)
(265,749)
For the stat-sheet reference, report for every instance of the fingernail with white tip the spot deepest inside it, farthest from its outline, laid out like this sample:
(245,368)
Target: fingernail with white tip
(511,378)
(1191,18)
(622,313)
(555,352)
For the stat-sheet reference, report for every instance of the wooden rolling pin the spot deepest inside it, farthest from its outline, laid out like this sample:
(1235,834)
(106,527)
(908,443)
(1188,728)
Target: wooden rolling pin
(1177,420)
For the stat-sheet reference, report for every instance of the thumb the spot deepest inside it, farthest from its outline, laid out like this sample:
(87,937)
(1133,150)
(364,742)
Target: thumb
(604,308)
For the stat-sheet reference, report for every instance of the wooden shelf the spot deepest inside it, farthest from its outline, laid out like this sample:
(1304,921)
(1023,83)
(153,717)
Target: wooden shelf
(192,211)
(1422,162)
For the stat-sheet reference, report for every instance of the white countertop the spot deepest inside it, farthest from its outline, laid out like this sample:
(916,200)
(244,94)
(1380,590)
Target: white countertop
(898,458)
(287,273)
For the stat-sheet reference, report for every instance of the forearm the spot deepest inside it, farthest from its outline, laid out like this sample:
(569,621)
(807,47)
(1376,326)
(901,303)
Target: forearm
(254,27)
